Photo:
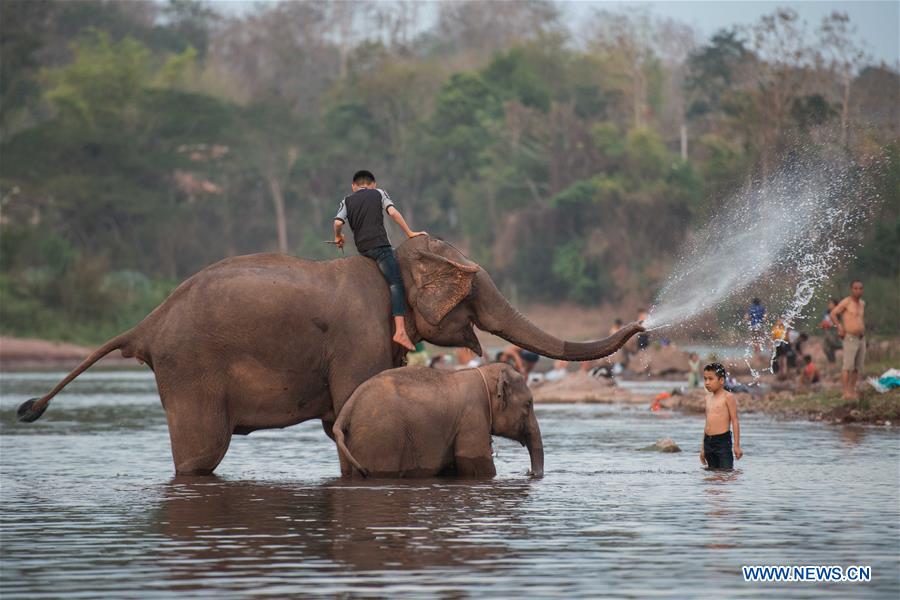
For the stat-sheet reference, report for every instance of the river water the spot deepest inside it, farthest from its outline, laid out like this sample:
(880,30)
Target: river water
(89,507)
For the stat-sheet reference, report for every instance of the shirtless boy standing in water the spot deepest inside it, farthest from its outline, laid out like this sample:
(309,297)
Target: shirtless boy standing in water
(721,417)
(852,327)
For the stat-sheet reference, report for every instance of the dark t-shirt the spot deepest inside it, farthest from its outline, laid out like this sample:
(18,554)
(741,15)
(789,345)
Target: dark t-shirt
(364,211)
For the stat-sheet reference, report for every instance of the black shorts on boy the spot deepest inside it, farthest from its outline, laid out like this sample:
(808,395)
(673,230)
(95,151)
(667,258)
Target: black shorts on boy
(717,450)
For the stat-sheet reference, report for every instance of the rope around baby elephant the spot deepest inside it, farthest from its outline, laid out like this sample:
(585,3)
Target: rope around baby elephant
(487,390)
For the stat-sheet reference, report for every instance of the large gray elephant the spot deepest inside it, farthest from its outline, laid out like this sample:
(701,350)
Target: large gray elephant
(269,340)
(421,422)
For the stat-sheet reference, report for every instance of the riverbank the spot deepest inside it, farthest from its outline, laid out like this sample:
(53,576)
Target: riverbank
(660,373)
(825,405)
(20,354)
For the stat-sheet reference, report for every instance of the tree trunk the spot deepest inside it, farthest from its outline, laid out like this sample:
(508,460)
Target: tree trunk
(280,221)
(640,93)
(845,113)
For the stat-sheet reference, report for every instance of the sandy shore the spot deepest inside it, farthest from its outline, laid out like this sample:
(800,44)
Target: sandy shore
(581,388)
(821,403)
(18,354)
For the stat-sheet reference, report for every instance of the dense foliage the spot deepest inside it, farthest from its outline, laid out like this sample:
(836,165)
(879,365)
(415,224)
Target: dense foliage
(141,141)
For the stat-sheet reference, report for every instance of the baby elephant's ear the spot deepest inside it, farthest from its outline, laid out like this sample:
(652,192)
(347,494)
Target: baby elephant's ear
(503,387)
(439,284)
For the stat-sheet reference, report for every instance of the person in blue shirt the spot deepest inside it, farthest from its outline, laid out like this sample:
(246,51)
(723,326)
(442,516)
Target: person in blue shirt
(756,314)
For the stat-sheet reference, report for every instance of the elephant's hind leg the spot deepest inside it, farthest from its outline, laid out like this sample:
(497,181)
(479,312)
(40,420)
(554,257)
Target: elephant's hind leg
(199,429)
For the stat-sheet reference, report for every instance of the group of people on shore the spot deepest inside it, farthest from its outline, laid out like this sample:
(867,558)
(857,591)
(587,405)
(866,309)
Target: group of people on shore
(843,325)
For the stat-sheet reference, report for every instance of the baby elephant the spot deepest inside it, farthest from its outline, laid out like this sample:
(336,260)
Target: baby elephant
(421,422)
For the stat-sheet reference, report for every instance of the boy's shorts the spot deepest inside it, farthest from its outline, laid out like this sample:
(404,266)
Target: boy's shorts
(717,449)
(854,352)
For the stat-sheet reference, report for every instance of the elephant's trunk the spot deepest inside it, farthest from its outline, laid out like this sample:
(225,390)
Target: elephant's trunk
(535,446)
(494,314)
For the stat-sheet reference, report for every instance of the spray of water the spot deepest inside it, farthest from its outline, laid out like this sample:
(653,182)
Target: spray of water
(779,240)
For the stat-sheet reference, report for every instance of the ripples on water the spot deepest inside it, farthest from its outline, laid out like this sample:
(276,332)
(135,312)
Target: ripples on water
(88,506)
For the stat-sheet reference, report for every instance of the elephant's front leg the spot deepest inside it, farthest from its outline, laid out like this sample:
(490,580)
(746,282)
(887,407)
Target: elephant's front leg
(479,466)
(472,453)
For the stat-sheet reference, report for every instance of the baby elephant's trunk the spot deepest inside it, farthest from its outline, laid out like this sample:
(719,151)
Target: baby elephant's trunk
(535,447)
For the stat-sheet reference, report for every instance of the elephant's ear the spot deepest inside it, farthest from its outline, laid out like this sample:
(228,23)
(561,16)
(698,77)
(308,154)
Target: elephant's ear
(503,387)
(439,285)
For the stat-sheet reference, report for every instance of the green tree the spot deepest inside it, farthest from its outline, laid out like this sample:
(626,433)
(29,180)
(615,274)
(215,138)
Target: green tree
(712,71)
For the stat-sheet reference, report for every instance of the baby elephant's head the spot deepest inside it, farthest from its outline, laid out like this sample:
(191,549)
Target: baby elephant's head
(513,414)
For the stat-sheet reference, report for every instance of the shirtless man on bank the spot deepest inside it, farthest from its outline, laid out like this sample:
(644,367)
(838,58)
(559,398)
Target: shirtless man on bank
(849,317)
(721,418)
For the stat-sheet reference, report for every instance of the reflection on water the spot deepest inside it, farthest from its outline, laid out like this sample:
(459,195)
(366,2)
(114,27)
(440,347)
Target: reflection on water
(719,514)
(402,526)
(88,506)
(852,434)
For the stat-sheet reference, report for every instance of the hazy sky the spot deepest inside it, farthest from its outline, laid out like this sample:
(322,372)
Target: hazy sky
(878,22)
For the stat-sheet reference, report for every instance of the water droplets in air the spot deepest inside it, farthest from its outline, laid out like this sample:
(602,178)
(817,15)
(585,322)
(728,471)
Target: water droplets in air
(778,240)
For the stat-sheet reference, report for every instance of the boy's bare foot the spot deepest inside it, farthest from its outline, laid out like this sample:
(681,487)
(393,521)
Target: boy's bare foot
(400,335)
(401,338)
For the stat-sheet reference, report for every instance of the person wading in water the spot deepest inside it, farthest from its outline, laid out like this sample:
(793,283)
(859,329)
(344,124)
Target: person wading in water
(721,418)
(363,210)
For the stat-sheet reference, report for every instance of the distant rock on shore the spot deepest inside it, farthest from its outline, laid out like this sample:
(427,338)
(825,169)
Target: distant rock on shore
(582,388)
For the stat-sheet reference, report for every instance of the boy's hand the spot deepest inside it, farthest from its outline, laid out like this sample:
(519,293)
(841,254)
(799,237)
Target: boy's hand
(702,458)
(339,241)
(738,453)
(413,234)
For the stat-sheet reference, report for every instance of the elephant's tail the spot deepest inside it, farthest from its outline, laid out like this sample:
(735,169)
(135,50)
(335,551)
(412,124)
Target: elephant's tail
(338,431)
(31,410)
